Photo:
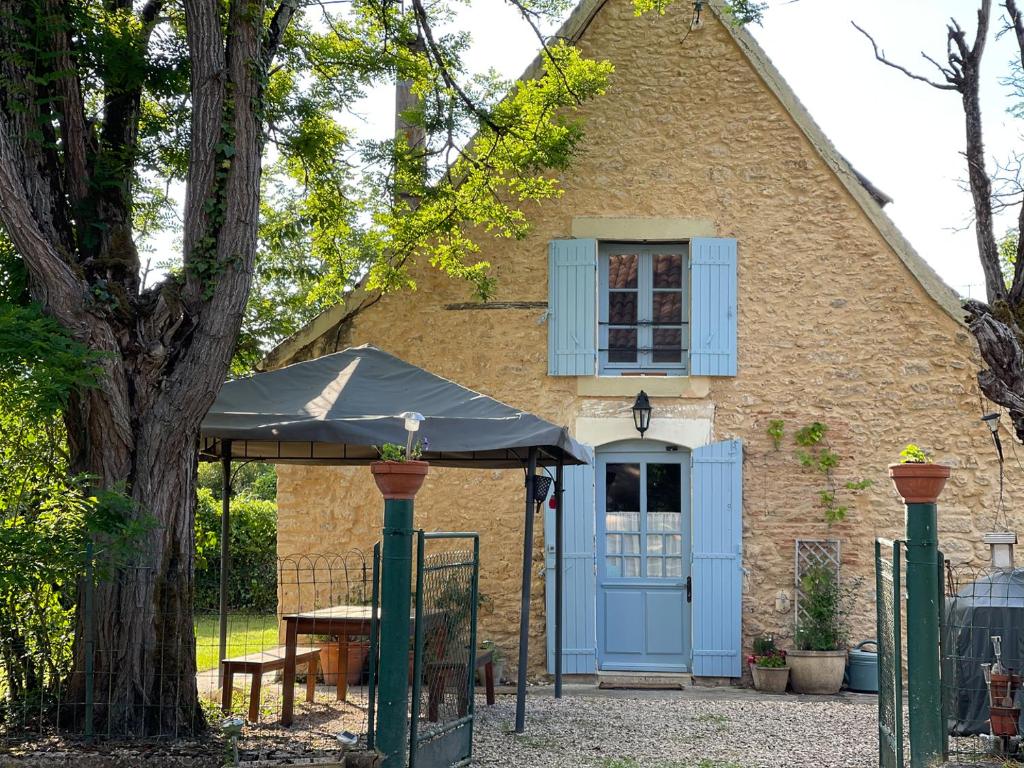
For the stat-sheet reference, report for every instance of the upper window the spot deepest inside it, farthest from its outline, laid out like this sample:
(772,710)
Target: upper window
(644,309)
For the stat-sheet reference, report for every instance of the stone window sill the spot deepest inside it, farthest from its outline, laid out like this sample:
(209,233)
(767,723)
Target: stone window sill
(695,387)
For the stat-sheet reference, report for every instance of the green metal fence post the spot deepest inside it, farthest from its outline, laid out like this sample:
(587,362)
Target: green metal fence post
(396,575)
(924,699)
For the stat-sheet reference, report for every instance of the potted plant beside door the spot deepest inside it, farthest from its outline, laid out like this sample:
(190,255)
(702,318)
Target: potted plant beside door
(768,666)
(818,662)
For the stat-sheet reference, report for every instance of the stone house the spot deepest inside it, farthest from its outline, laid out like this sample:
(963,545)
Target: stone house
(713,249)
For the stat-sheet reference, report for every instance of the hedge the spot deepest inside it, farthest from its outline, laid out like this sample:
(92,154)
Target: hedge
(252,584)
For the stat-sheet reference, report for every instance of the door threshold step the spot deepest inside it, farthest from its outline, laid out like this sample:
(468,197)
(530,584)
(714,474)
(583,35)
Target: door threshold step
(645,681)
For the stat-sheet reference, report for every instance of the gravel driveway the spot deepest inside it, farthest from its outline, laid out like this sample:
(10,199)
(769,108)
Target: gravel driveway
(715,728)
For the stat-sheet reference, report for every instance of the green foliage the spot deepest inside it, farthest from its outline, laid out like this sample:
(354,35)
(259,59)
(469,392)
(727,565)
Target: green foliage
(254,480)
(811,435)
(764,645)
(1008,255)
(913,454)
(395,452)
(776,430)
(814,453)
(825,607)
(253,581)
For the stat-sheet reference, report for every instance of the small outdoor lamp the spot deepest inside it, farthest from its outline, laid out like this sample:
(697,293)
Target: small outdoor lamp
(642,413)
(992,422)
(412,426)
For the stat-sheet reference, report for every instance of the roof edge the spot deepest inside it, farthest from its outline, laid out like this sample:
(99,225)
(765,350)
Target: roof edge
(921,270)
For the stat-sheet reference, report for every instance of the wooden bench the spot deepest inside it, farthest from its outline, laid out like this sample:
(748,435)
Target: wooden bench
(441,675)
(256,664)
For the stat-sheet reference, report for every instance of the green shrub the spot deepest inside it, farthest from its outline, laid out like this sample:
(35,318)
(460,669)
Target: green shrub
(252,584)
(825,606)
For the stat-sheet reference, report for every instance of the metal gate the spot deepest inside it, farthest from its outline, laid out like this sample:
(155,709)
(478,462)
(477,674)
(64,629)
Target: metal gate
(444,658)
(888,599)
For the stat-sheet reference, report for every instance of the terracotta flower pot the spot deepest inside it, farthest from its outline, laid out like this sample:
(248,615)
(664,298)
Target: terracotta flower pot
(357,653)
(1003,720)
(399,479)
(919,483)
(770,679)
(329,665)
(818,672)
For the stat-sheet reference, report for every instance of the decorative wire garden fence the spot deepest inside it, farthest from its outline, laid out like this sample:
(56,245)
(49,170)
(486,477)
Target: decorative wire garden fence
(983,618)
(73,689)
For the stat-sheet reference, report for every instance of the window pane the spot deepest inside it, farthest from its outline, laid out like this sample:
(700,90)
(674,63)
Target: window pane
(673,545)
(654,545)
(622,482)
(631,544)
(622,345)
(622,521)
(668,307)
(622,308)
(674,567)
(613,566)
(654,566)
(668,345)
(663,521)
(630,567)
(664,488)
(613,543)
(622,270)
(668,271)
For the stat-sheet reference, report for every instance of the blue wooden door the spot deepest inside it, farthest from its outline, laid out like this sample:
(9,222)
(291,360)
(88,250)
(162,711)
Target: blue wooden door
(579,633)
(643,545)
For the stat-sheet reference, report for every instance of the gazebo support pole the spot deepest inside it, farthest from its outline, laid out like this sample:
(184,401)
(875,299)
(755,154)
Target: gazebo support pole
(225,552)
(559,549)
(524,608)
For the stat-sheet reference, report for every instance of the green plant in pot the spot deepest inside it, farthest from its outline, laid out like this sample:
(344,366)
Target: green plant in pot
(400,472)
(917,479)
(768,665)
(819,659)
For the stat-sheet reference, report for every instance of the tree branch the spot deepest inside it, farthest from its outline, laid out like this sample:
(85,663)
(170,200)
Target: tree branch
(880,55)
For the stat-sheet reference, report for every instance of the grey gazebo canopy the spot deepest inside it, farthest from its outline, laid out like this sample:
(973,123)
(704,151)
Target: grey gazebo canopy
(335,409)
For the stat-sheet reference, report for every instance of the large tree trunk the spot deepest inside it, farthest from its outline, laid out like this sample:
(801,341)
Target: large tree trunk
(137,434)
(145,657)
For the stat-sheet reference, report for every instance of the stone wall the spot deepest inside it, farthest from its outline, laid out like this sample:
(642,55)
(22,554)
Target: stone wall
(833,327)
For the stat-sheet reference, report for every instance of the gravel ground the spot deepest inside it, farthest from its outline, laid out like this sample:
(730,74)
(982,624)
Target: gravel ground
(680,731)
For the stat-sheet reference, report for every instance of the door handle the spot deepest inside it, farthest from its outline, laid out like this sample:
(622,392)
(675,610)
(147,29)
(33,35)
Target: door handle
(689,589)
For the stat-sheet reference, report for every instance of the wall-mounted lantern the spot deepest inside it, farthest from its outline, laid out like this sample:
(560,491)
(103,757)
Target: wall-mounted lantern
(642,413)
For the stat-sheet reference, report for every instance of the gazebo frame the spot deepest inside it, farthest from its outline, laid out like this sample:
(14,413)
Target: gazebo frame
(224,440)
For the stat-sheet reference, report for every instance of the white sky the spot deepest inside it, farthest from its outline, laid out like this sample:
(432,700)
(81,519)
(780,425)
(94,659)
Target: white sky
(903,135)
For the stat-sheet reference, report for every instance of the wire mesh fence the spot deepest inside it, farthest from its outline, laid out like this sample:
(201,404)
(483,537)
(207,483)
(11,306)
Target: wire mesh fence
(982,658)
(445,648)
(97,688)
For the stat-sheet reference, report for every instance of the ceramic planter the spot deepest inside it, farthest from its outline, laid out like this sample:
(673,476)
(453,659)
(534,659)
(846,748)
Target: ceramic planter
(399,479)
(919,483)
(770,679)
(817,672)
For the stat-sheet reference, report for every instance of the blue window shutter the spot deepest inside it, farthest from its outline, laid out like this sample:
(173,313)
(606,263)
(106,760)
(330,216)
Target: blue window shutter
(579,582)
(717,569)
(713,306)
(572,307)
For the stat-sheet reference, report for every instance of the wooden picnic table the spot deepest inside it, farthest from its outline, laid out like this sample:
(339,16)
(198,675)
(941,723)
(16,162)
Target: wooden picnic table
(341,621)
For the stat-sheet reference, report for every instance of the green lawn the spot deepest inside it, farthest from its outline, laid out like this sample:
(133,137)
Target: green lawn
(247,633)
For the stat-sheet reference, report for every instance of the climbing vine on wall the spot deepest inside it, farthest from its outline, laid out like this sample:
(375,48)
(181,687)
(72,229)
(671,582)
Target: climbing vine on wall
(814,452)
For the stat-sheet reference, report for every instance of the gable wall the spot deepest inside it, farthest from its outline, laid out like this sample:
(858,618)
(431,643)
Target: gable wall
(832,327)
